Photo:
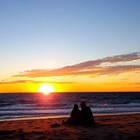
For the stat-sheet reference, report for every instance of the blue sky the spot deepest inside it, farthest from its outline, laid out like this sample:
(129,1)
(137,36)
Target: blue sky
(39,34)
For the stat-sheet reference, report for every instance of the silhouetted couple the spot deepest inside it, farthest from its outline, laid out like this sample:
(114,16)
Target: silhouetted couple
(83,117)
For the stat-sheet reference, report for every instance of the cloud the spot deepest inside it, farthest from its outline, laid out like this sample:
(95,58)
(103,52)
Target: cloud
(32,81)
(118,69)
(93,67)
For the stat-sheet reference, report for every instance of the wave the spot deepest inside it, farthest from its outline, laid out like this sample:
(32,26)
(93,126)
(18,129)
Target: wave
(26,105)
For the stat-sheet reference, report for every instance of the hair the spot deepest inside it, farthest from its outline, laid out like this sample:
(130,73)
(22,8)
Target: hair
(83,103)
(75,106)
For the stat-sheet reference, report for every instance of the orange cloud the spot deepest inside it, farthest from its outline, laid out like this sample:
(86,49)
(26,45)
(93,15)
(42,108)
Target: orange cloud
(35,82)
(93,67)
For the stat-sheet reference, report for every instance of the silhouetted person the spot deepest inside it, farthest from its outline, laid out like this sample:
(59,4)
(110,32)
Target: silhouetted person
(86,115)
(75,117)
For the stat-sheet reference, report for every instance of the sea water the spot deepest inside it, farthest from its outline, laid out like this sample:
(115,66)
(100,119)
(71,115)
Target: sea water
(27,105)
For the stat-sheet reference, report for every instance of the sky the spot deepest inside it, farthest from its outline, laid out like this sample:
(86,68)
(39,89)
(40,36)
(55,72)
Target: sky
(72,45)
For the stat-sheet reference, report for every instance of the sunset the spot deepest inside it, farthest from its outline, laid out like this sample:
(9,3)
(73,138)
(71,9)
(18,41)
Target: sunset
(113,73)
(46,89)
(58,56)
(68,48)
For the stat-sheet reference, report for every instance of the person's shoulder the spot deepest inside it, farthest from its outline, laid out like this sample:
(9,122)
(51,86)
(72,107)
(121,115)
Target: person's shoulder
(88,108)
(79,110)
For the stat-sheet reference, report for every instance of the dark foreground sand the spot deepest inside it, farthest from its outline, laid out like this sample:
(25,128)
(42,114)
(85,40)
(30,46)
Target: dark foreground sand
(120,127)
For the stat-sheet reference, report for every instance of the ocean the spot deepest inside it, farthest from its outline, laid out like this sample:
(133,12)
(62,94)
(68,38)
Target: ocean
(25,105)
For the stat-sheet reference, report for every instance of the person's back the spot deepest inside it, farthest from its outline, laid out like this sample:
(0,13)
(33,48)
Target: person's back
(86,114)
(75,117)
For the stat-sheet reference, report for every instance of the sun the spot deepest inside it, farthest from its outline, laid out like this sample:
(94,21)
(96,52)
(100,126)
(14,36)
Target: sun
(46,89)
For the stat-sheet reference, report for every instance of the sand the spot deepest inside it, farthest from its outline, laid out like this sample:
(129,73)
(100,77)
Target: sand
(120,127)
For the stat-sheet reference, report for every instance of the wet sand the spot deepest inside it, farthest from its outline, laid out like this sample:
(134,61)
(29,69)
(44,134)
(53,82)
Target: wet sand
(115,127)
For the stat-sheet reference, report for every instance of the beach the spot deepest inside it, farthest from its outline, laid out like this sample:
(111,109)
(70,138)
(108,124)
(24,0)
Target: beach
(108,127)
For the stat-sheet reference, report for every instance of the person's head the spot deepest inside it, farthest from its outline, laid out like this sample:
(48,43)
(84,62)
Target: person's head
(83,104)
(75,106)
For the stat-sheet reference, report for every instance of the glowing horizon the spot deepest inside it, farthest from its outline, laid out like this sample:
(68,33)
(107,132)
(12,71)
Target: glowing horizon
(116,73)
